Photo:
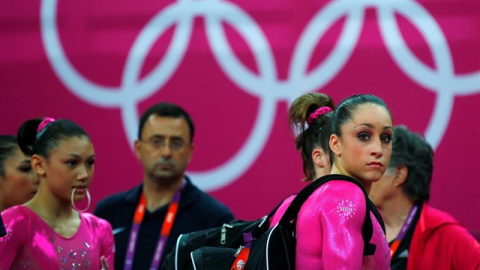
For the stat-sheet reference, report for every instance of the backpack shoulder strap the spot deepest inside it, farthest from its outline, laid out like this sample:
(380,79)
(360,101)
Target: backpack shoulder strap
(302,196)
(274,210)
(367,229)
(377,214)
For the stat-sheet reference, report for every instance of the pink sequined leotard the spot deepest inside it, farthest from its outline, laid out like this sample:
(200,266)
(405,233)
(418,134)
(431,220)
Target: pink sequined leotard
(329,230)
(32,244)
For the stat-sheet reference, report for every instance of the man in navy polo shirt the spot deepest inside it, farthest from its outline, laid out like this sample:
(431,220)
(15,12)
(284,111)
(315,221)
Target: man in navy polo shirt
(148,219)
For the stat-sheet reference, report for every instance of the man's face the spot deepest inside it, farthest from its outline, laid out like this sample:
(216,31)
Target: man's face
(164,148)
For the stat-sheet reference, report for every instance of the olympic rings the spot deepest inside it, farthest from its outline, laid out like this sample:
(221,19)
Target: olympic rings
(441,79)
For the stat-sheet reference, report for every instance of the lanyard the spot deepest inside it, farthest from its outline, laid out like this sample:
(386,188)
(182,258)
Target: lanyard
(242,253)
(403,231)
(164,233)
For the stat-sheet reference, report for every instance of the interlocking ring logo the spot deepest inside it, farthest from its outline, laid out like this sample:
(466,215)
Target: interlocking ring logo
(442,79)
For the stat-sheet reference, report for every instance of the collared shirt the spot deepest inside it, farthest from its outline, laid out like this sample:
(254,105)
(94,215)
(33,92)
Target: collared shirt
(197,211)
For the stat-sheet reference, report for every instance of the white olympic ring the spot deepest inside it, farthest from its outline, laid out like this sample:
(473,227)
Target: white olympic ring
(265,85)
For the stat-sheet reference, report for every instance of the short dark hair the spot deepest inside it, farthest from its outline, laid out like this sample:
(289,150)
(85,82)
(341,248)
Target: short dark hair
(8,144)
(413,151)
(166,109)
(43,142)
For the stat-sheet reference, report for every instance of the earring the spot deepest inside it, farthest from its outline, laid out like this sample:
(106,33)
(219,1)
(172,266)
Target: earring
(89,199)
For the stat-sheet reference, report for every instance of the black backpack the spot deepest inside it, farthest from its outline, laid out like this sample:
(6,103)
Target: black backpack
(269,248)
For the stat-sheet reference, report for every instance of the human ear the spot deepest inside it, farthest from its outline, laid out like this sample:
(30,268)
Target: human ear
(137,146)
(191,147)
(38,164)
(318,157)
(335,145)
(401,173)
(1,181)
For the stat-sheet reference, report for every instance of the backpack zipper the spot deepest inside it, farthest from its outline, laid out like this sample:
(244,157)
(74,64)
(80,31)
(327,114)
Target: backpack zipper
(223,236)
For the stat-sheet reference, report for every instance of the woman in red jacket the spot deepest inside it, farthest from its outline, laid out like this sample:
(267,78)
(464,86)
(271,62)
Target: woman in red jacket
(420,236)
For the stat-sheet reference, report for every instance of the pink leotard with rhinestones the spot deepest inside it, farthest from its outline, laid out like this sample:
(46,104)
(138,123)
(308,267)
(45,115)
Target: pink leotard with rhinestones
(31,244)
(329,230)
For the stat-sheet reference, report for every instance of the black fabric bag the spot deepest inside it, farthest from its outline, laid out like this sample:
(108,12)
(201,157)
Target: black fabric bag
(216,246)
(271,248)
